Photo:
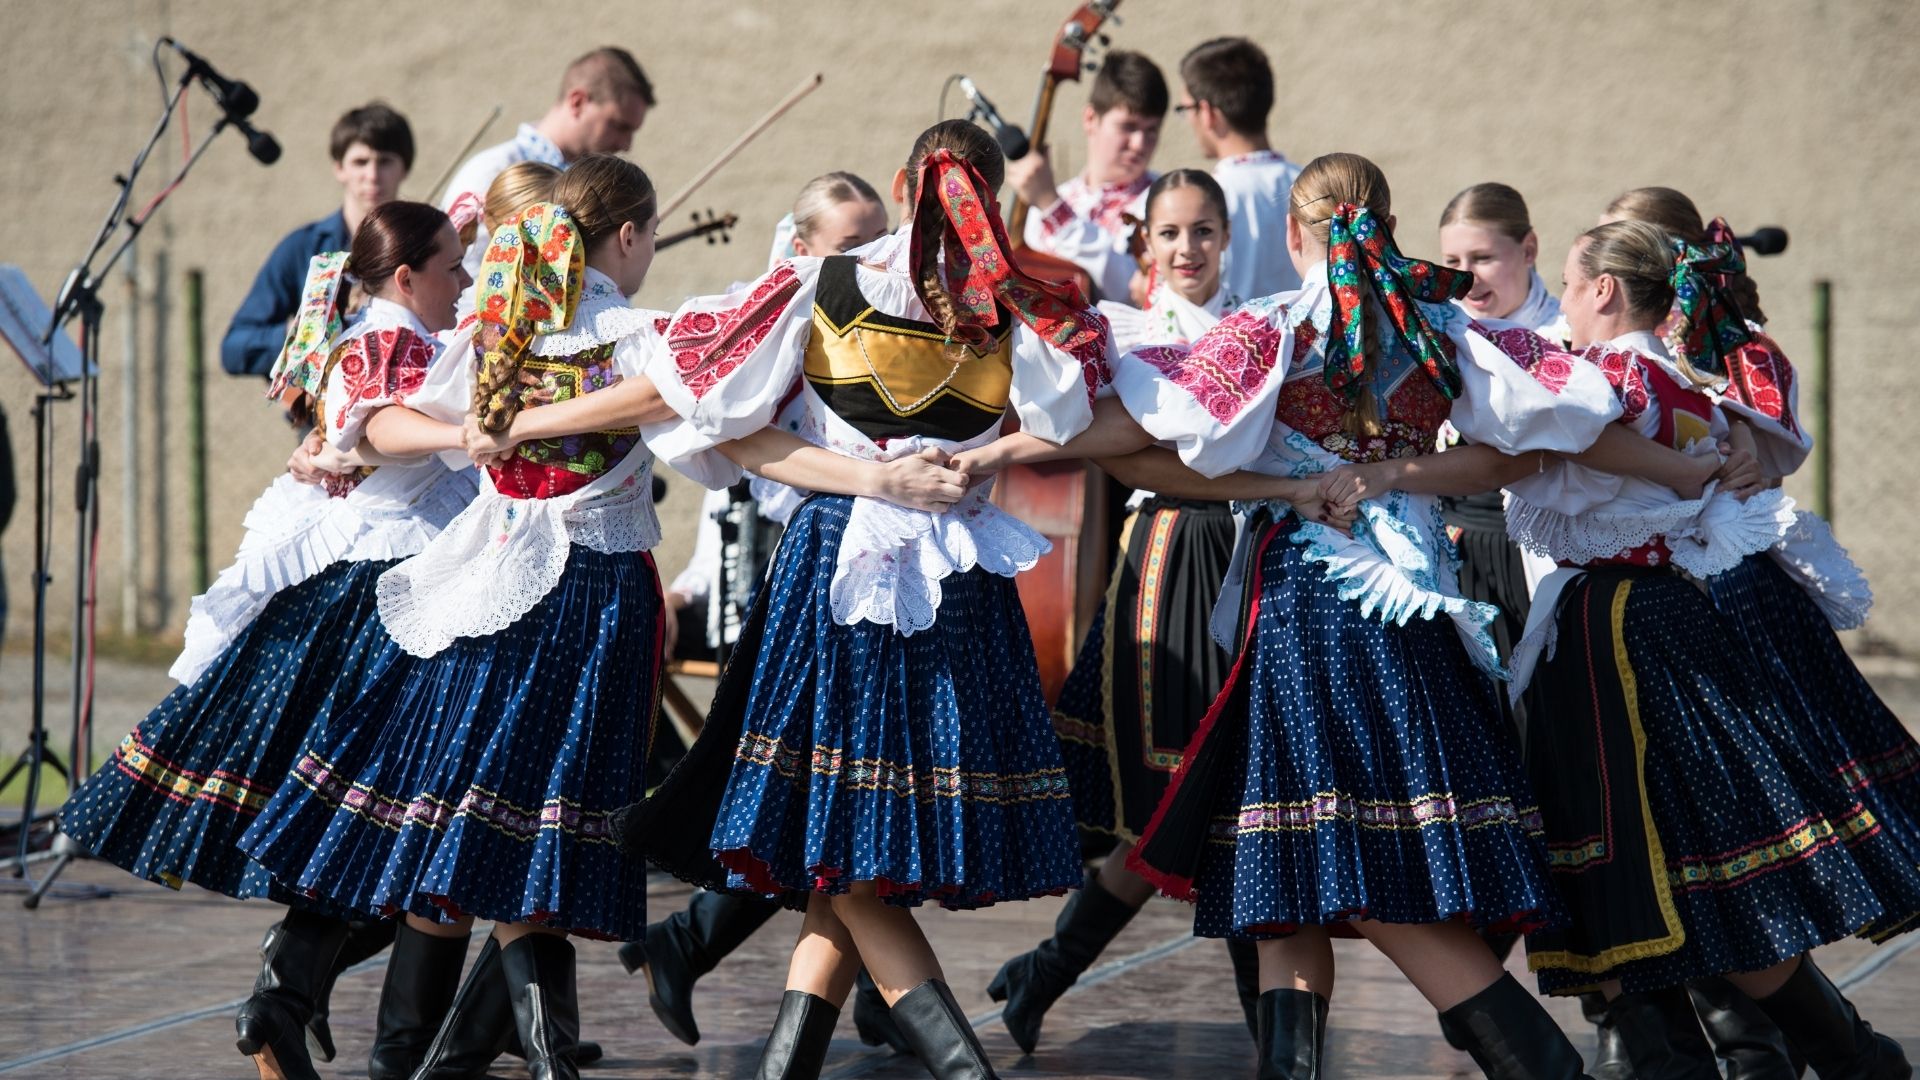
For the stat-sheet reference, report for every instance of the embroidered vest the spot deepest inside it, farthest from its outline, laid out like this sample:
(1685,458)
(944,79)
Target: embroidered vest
(1411,408)
(551,467)
(893,378)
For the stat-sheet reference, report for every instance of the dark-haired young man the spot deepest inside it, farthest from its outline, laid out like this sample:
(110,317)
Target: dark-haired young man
(1229,92)
(604,98)
(1079,220)
(372,149)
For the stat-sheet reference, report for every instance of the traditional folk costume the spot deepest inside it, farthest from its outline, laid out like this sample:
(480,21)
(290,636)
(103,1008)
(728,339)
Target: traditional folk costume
(1695,826)
(1088,228)
(1356,764)
(1145,675)
(477,779)
(282,637)
(1259,190)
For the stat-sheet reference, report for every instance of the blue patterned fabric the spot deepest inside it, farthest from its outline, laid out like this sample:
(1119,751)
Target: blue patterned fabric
(1350,769)
(171,803)
(925,763)
(1081,722)
(1842,720)
(478,782)
(1756,851)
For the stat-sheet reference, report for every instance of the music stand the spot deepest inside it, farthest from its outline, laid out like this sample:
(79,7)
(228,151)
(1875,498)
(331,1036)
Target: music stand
(80,297)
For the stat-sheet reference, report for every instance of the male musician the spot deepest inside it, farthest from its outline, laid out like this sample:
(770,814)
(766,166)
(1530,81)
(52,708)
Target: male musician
(372,149)
(604,98)
(1080,220)
(1229,92)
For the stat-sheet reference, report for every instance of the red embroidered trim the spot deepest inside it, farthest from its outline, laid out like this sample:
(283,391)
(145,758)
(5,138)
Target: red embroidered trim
(1227,366)
(1550,367)
(708,345)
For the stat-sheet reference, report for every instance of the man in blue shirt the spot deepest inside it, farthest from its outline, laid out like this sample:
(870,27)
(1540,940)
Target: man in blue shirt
(372,149)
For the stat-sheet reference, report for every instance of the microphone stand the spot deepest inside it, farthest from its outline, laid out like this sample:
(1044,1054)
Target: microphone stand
(80,298)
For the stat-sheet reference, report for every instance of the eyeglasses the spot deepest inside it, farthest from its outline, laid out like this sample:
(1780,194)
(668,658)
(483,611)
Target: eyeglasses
(1191,106)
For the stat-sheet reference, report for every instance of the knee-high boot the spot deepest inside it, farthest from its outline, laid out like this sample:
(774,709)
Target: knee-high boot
(686,945)
(1031,982)
(422,976)
(271,1025)
(1823,1024)
(539,970)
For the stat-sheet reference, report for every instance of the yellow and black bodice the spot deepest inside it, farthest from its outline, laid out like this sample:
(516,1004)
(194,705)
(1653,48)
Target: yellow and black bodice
(891,377)
(546,468)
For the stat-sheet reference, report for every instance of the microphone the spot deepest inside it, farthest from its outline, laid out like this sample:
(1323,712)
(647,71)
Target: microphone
(1013,141)
(1766,240)
(264,147)
(234,97)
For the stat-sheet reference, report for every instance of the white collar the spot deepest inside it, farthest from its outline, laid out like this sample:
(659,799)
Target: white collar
(382,314)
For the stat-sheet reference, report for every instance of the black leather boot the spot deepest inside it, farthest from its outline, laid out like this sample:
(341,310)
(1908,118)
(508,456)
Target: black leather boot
(871,1017)
(479,1027)
(1510,1035)
(797,1046)
(1610,1061)
(270,1027)
(422,976)
(1819,1021)
(686,945)
(364,940)
(539,969)
(1662,1036)
(1031,982)
(1744,1040)
(940,1035)
(1245,956)
(1291,1034)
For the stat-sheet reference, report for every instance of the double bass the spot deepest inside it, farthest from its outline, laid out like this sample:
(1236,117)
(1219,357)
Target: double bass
(1066,501)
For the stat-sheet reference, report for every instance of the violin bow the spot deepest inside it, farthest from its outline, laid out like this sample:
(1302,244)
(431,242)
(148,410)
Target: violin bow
(433,194)
(807,86)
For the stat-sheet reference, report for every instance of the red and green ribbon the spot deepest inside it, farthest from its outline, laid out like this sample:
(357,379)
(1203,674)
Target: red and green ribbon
(1364,263)
(1708,324)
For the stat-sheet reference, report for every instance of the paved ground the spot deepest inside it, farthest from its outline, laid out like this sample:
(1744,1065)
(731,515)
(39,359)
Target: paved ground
(142,984)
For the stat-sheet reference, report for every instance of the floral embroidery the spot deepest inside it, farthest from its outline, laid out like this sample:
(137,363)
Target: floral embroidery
(316,323)
(1333,807)
(1103,204)
(1762,379)
(382,365)
(427,811)
(529,285)
(1226,367)
(1549,366)
(878,774)
(708,345)
(1626,373)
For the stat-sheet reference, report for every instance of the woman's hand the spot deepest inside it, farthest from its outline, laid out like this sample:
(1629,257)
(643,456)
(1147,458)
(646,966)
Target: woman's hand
(1307,501)
(919,481)
(534,390)
(329,460)
(1696,474)
(1741,476)
(486,447)
(981,461)
(301,465)
(1345,485)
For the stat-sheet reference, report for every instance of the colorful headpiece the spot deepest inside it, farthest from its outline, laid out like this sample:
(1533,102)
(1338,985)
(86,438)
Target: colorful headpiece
(1361,259)
(529,285)
(959,240)
(1708,324)
(318,320)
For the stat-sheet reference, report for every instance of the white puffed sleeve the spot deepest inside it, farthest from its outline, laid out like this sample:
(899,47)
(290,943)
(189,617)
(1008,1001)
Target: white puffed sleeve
(380,367)
(1214,402)
(725,364)
(1053,390)
(1520,393)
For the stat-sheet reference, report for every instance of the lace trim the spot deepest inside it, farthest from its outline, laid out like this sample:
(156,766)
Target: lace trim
(1818,564)
(892,560)
(1707,536)
(502,556)
(610,321)
(293,532)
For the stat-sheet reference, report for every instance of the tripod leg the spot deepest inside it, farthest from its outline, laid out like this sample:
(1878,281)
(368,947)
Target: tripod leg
(33,898)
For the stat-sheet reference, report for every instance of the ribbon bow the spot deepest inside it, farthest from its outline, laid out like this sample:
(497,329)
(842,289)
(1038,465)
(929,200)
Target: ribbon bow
(959,241)
(1708,324)
(303,358)
(1360,252)
(529,285)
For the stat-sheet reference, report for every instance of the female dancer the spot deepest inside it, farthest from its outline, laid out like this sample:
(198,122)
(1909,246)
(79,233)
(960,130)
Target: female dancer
(1694,831)
(292,623)
(880,740)
(833,214)
(1148,668)
(1355,773)
(476,780)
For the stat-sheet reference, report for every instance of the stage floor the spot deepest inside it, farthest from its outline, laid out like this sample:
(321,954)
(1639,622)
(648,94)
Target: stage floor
(143,984)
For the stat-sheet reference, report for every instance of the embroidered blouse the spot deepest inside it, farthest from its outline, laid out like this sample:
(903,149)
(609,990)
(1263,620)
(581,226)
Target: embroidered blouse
(844,353)
(508,550)
(1251,394)
(1086,228)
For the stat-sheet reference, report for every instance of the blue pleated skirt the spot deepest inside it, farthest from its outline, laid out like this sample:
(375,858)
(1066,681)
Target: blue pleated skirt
(1691,831)
(1842,721)
(171,804)
(924,763)
(479,782)
(1350,769)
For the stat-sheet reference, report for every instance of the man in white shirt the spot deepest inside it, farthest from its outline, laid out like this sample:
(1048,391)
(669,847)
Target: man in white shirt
(1229,92)
(604,98)
(1080,220)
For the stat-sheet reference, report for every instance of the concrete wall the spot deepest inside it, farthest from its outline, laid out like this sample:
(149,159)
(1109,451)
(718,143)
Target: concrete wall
(1768,111)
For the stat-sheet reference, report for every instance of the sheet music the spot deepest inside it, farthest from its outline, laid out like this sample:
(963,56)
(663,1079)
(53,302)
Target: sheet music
(23,319)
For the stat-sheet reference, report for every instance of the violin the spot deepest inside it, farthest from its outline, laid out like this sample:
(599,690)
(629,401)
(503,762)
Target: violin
(717,229)
(1065,501)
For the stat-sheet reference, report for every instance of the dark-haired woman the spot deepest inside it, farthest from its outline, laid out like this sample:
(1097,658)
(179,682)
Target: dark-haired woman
(880,739)
(1693,829)
(290,629)
(475,780)
(1148,668)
